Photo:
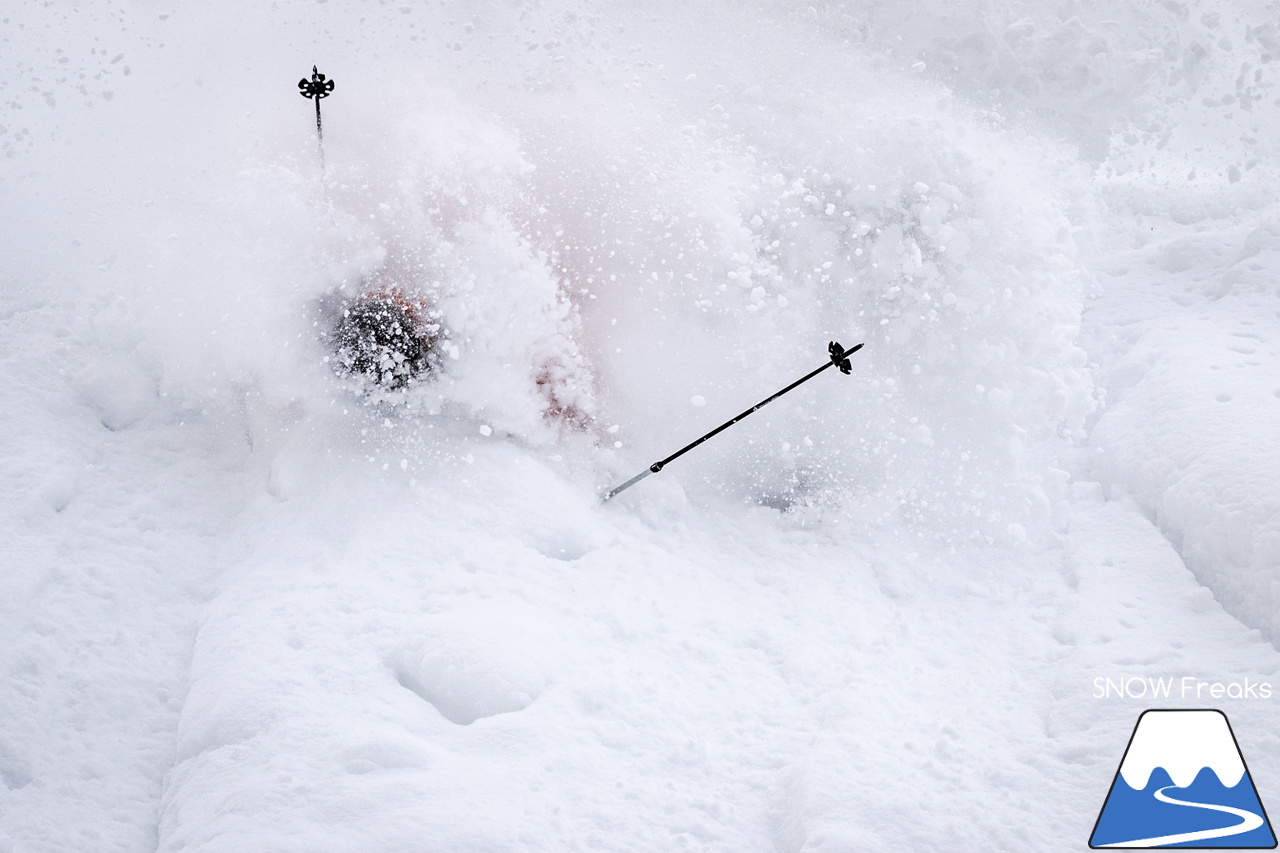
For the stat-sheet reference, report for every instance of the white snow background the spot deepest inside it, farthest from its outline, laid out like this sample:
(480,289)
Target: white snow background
(243,607)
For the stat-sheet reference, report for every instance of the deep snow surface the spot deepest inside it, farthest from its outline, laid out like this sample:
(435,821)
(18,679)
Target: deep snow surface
(244,606)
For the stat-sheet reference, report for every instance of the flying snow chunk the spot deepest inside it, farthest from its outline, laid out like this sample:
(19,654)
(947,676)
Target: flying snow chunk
(698,400)
(1183,782)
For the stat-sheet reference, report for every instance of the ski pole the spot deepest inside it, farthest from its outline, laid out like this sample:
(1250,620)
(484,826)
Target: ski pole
(316,88)
(839,357)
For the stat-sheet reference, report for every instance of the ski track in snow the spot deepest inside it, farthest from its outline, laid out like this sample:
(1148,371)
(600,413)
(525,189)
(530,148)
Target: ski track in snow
(243,608)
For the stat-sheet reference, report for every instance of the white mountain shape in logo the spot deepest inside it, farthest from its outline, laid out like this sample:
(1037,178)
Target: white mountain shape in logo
(1183,743)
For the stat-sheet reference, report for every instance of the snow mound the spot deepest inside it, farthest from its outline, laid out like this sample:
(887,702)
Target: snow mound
(1194,407)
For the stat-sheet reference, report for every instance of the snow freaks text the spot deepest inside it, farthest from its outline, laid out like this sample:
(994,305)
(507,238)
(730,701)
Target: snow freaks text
(1172,687)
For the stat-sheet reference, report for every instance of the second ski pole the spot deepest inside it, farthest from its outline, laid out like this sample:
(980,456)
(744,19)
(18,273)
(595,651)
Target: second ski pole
(839,357)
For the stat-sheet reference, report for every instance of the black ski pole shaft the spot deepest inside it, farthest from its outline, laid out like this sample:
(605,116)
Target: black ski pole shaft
(316,88)
(839,357)
(319,134)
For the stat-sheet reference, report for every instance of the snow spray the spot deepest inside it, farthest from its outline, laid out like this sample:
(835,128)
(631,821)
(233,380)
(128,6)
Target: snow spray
(839,357)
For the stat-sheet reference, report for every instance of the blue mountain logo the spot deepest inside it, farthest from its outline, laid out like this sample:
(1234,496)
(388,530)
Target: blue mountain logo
(1183,783)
